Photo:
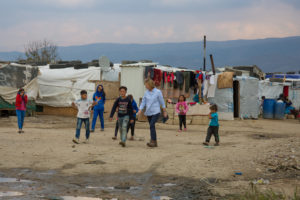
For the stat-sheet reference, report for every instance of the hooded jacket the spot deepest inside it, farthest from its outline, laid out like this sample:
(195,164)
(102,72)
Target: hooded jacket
(99,97)
(19,100)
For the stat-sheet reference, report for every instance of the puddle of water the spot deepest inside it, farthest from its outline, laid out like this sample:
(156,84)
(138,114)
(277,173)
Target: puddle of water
(161,198)
(13,180)
(10,194)
(82,198)
(114,188)
(169,184)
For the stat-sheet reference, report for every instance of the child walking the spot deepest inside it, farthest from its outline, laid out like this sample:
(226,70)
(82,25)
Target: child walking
(130,125)
(125,113)
(21,101)
(213,128)
(181,109)
(99,97)
(83,106)
(135,110)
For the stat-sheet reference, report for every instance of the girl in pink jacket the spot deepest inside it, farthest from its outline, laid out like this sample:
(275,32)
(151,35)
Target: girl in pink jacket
(181,109)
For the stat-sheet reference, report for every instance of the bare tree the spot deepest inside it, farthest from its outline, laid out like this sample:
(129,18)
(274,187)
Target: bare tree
(41,51)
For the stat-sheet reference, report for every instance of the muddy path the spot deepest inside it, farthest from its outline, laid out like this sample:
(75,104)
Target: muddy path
(43,163)
(53,185)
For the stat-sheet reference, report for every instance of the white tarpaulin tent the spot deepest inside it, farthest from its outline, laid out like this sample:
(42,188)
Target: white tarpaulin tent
(60,87)
(271,90)
(14,76)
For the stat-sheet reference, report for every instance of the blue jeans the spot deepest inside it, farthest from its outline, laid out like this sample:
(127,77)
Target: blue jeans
(152,120)
(95,116)
(86,122)
(123,123)
(21,116)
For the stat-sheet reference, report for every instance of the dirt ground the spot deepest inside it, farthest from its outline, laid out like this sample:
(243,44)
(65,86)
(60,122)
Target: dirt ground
(180,168)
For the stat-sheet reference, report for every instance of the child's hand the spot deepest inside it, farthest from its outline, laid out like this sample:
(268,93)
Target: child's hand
(131,121)
(134,111)
(110,119)
(94,103)
(73,104)
(140,112)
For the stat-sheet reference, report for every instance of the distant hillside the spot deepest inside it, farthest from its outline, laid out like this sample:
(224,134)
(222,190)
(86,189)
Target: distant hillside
(274,54)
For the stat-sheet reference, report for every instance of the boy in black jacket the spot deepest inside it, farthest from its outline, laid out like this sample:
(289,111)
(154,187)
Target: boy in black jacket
(125,113)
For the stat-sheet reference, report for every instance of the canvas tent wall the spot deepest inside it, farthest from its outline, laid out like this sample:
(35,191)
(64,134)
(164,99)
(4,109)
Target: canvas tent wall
(60,87)
(14,76)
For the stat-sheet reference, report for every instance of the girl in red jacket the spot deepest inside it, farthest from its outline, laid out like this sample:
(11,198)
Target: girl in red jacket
(21,101)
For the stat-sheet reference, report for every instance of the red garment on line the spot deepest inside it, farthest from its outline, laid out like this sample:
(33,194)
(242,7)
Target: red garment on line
(286,91)
(157,77)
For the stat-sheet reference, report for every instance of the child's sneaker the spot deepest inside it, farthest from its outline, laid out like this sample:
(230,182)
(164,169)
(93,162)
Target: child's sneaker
(185,129)
(179,130)
(217,144)
(76,140)
(92,131)
(131,138)
(102,129)
(114,138)
(206,143)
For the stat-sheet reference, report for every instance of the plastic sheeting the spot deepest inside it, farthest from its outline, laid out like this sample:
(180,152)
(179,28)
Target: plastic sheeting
(60,87)
(271,90)
(294,96)
(15,76)
(224,100)
(249,98)
(9,94)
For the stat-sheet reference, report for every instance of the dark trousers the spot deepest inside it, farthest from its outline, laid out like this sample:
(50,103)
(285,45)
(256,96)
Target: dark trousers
(152,120)
(86,122)
(213,130)
(117,128)
(131,126)
(182,120)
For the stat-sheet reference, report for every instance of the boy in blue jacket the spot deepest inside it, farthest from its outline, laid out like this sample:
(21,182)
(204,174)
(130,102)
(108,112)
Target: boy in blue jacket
(99,98)
(135,110)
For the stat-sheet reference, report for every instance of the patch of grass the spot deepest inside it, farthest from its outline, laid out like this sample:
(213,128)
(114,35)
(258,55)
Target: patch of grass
(255,194)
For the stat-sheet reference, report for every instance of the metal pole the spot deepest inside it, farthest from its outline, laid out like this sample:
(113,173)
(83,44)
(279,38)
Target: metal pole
(204,54)
(212,64)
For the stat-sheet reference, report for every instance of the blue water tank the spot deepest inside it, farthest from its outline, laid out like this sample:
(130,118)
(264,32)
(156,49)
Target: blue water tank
(279,110)
(268,108)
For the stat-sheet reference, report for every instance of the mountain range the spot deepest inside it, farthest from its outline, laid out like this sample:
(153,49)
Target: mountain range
(271,54)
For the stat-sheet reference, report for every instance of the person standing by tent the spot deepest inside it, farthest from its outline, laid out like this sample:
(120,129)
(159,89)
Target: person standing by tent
(21,101)
(99,97)
(152,100)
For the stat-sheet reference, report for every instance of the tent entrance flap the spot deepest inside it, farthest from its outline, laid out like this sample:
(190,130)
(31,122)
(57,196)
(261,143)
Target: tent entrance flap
(236,98)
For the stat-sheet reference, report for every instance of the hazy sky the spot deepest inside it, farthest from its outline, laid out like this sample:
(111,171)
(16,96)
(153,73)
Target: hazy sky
(76,22)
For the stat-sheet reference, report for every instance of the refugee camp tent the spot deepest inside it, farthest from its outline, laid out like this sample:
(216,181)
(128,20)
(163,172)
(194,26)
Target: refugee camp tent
(60,87)
(14,76)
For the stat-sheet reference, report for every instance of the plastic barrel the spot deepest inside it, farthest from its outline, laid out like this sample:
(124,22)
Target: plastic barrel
(279,110)
(268,108)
